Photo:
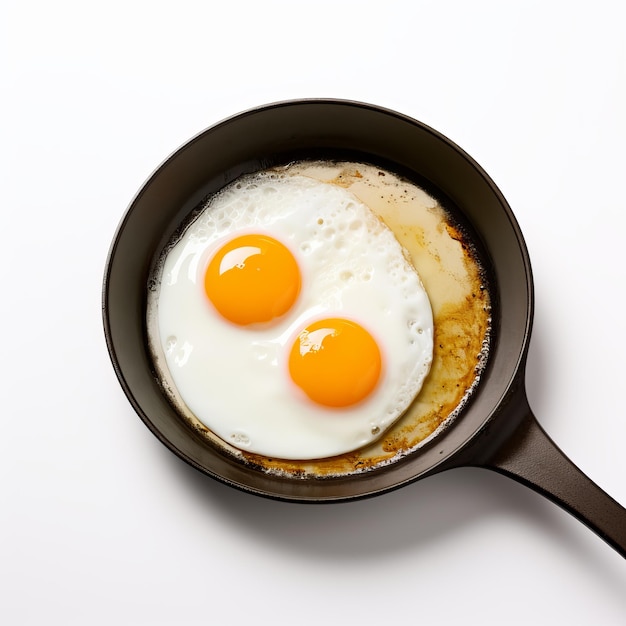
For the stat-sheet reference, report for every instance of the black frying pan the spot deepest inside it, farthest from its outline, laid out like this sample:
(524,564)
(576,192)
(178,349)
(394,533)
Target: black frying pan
(497,430)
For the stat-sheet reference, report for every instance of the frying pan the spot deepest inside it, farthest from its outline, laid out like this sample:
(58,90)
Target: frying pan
(496,430)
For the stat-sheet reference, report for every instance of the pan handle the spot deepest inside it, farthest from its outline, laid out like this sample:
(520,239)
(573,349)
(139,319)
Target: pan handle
(533,459)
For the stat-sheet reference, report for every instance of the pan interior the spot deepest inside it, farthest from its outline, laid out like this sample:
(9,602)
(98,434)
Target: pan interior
(449,264)
(271,136)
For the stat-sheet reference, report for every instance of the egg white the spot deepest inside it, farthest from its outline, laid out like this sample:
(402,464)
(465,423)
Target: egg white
(234,379)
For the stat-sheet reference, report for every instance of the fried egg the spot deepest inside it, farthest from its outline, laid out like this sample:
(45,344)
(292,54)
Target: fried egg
(291,323)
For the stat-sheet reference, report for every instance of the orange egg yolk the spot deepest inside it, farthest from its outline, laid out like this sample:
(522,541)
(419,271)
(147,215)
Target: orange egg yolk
(336,362)
(252,279)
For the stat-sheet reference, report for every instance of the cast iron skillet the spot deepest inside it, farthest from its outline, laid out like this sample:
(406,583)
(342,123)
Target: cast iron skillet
(497,430)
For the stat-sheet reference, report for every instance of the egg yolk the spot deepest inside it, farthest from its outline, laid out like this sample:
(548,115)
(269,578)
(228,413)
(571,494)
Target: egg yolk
(252,279)
(336,362)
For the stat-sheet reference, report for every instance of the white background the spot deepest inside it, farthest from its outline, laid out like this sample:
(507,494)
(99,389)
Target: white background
(99,523)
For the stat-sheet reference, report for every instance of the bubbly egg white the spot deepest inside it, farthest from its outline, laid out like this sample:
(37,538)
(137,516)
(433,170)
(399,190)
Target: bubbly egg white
(234,379)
